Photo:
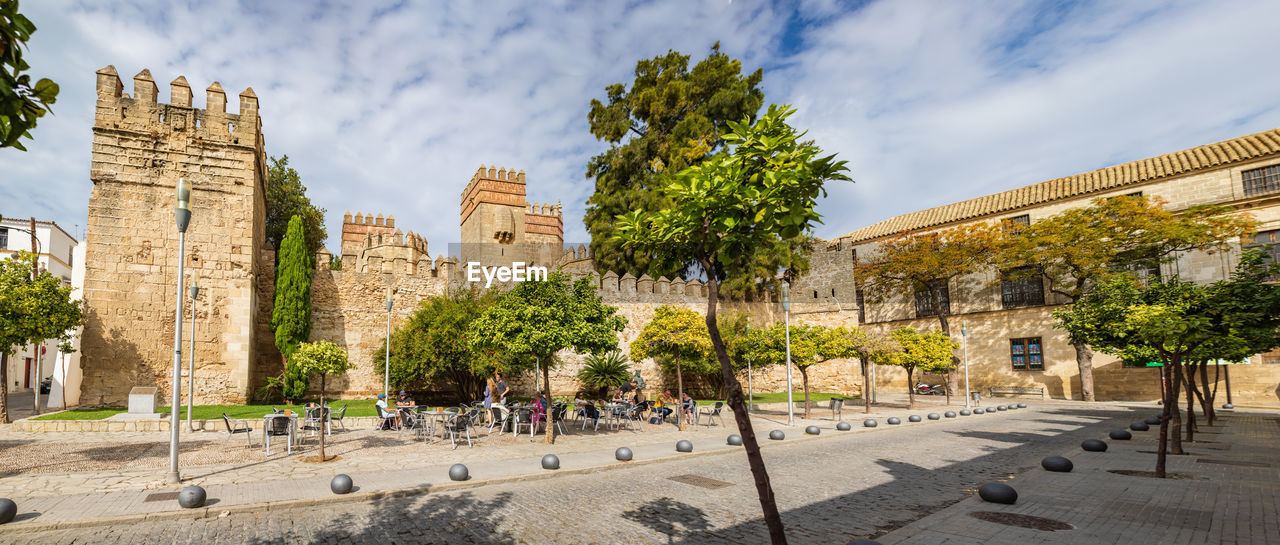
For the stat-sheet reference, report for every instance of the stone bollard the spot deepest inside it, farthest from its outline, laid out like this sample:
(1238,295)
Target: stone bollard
(949,414)
(8,510)
(913,418)
(894,421)
(777,435)
(623,454)
(1057,464)
(341,484)
(965,412)
(684,445)
(550,461)
(1120,435)
(735,440)
(1094,445)
(998,493)
(459,472)
(869,423)
(191,497)
(843,426)
(1139,426)
(812,430)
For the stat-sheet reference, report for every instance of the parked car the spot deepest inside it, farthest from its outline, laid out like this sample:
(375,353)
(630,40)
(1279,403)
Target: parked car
(45,385)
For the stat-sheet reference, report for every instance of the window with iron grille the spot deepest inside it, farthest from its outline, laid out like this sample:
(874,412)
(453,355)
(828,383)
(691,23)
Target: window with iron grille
(4,239)
(924,303)
(1025,354)
(1021,290)
(862,308)
(1015,224)
(1261,181)
(1266,241)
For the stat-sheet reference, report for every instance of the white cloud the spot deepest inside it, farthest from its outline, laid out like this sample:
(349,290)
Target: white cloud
(391,110)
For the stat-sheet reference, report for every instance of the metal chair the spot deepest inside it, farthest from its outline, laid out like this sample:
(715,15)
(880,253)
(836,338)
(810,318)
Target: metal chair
(713,413)
(408,421)
(590,412)
(314,420)
(837,405)
(524,417)
(337,418)
(388,418)
(458,423)
(498,415)
(558,415)
(238,426)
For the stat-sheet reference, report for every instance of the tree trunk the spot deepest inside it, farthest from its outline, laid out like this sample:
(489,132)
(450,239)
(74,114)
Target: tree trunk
(679,395)
(1175,434)
(1161,452)
(4,385)
(911,389)
(1084,361)
(951,378)
(1212,395)
(1189,379)
(1226,376)
(769,507)
(546,383)
(322,456)
(804,377)
(866,386)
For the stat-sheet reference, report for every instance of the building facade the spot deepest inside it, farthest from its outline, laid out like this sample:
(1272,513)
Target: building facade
(1012,340)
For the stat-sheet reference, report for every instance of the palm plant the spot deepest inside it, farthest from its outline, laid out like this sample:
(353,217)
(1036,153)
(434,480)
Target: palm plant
(605,371)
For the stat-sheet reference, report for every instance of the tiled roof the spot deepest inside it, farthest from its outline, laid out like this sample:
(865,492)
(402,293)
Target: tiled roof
(1236,150)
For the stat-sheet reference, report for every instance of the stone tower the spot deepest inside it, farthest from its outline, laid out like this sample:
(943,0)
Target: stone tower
(499,226)
(140,149)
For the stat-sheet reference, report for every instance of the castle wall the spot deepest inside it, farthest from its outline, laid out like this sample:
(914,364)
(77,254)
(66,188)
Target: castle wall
(140,149)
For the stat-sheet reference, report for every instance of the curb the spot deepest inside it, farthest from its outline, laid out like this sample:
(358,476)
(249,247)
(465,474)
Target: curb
(419,490)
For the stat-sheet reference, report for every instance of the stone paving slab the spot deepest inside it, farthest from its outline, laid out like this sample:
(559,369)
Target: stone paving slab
(1225,503)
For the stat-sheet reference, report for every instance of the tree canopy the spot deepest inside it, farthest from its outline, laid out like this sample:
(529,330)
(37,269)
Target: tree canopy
(870,349)
(538,318)
(286,198)
(434,344)
(677,338)
(32,311)
(929,352)
(22,102)
(671,117)
(291,313)
(322,358)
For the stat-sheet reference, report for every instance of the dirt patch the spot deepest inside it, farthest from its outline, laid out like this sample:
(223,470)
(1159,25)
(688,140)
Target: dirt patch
(1022,521)
(1151,474)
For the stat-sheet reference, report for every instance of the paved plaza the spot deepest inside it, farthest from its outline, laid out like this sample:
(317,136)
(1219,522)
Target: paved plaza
(912,483)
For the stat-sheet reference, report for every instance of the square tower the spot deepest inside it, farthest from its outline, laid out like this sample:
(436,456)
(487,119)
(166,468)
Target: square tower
(141,147)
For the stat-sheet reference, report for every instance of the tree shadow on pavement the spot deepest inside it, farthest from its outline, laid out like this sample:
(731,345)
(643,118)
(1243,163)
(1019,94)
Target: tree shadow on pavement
(414,519)
(670,517)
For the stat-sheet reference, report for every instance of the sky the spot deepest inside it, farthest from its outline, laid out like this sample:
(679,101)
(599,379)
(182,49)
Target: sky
(389,107)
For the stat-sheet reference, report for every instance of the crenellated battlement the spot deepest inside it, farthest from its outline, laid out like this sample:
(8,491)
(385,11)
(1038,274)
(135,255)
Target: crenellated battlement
(543,209)
(143,112)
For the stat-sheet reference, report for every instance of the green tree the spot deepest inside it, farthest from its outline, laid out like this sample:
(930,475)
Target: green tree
(322,358)
(670,118)
(536,319)
(287,198)
(870,350)
(719,215)
(291,314)
(33,308)
(928,265)
(434,344)
(1076,250)
(21,102)
(675,337)
(604,371)
(925,352)
(817,344)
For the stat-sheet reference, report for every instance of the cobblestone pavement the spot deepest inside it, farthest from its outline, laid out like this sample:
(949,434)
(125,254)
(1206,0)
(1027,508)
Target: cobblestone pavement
(829,490)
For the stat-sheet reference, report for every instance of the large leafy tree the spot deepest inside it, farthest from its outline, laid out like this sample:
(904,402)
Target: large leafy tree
(1076,250)
(676,337)
(434,344)
(719,215)
(870,350)
(322,358)
(538,318)
(21,101)
(925,352)
(33,308)
(291,314)
(818,344)
(287,198)
(671,117)
(928,265)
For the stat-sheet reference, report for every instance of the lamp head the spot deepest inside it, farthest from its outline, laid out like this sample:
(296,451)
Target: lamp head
(388,299)
(786,296)
(964,329)
(182,212)
(195,285)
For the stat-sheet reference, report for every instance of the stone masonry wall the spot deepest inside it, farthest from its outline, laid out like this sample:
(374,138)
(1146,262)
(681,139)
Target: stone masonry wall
(140,149)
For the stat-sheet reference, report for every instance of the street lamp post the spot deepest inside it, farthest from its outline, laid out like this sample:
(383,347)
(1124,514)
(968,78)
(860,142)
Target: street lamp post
(182,214)
(191,366)
(964,334)
(386,371)
(786,308)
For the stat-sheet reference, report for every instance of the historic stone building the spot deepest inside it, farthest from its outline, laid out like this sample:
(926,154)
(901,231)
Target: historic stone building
(1012,340)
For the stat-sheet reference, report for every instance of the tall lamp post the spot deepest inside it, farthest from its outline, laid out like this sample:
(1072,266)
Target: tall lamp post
(786,308)
(386,371)
(181,213)
(191,358)
(964,334)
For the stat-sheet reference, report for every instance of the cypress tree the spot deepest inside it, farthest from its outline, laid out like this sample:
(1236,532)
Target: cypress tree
(291,315)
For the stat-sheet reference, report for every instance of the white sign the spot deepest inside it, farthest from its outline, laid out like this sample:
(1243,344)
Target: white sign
(518,272)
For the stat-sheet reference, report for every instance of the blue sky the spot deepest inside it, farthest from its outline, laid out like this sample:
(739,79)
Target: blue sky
(390,107)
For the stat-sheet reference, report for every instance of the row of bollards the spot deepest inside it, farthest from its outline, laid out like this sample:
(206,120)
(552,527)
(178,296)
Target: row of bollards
(894,421)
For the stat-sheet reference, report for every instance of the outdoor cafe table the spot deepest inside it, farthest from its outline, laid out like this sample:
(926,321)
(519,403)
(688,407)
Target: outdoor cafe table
(293,426)
(424,411)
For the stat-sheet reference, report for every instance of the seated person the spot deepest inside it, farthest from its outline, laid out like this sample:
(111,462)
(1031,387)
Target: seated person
(403,399)
(687,406)
(665,403)
(389,415)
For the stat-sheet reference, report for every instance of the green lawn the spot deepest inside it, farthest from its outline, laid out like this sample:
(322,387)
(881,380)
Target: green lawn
(355,407)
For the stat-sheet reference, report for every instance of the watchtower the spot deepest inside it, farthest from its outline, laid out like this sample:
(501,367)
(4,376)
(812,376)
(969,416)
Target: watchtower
(141,147)
(499,226)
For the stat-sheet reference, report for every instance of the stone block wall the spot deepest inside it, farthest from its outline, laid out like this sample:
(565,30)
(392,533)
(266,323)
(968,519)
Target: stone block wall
(140,149)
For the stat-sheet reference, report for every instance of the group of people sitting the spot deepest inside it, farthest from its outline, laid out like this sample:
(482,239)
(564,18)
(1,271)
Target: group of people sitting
(390,412)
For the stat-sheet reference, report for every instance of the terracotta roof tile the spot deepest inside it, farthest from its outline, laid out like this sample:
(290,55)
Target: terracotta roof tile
(1244,148)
